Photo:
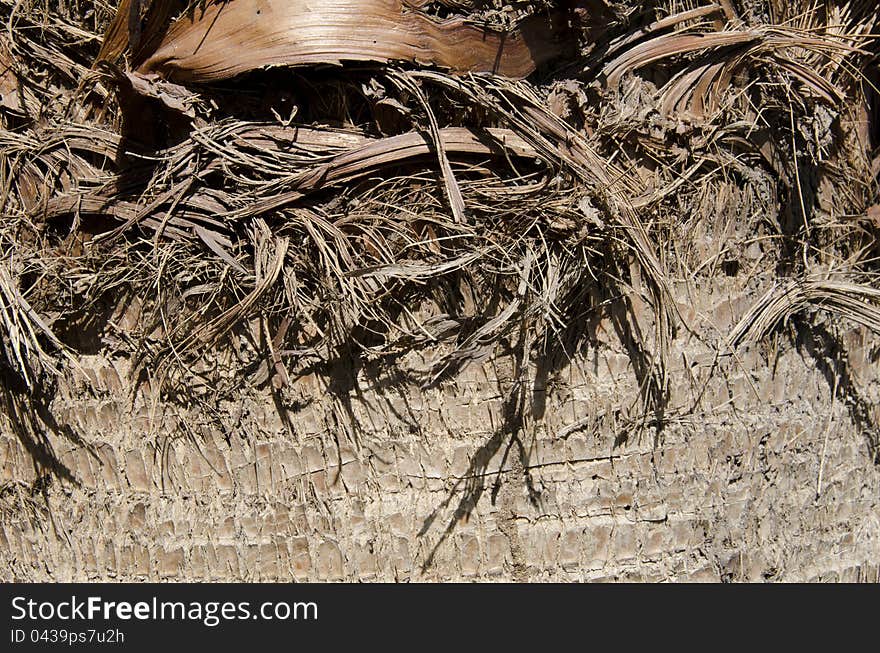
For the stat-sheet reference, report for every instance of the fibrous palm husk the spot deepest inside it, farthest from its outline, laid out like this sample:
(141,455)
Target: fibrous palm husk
(486,214)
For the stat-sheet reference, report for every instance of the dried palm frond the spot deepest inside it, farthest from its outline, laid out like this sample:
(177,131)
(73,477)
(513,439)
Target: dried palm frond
(218,39)
(714,58)
(22,331)
(835,293)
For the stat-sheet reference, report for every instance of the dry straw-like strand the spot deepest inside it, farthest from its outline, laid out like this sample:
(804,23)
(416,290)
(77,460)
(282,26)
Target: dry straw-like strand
(849,299)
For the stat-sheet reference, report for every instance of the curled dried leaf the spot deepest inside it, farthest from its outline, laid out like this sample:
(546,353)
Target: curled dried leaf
(218,39)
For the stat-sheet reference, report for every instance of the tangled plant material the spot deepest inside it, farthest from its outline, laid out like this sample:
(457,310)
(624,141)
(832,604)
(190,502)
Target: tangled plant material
(251,225)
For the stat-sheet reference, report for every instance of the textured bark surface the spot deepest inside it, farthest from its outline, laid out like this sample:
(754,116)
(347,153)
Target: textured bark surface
(378,481)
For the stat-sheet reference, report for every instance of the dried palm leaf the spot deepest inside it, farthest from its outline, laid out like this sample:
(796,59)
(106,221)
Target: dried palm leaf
(808,56)
(837,294)
(364,157)
(217,39)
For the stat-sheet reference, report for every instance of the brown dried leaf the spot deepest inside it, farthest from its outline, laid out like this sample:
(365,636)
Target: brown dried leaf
(218,39)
